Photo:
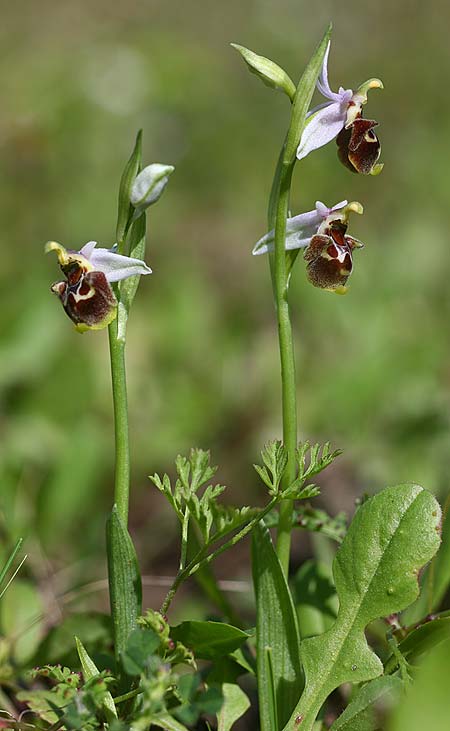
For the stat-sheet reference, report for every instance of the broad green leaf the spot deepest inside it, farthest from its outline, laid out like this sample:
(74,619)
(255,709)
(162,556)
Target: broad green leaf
(435,581)
(360,714)
(375,572)
(124,581)
(209,640)
(125,209)
(142,644)
(425,705)
(277,636)
(235,704)
(315,598)
(90,670)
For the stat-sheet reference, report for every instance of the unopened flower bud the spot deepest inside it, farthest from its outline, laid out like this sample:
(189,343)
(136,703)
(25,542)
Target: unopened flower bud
(269,72)
(149,185)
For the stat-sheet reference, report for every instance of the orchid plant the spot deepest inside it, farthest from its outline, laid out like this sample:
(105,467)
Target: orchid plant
(307,643)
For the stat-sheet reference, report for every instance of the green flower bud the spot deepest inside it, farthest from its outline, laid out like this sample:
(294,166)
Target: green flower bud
(269,72)
(149,185)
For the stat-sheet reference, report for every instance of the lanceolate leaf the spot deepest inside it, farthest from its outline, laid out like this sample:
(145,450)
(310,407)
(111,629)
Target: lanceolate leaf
(277,635)
(375,572)
(124,581)
(125,208)
(90,670)
(360,714)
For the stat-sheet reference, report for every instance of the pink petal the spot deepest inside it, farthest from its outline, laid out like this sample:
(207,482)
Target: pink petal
(322,128)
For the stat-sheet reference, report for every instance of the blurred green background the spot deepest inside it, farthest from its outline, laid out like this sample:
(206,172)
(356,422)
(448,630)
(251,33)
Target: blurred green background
(77,80)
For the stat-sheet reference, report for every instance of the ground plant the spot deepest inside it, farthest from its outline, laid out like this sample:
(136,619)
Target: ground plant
(356,639)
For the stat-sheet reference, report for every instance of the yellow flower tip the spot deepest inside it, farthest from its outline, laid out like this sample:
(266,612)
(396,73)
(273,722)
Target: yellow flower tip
(353,207)
(340,290)
(81,327)
(376,170)
(61,252)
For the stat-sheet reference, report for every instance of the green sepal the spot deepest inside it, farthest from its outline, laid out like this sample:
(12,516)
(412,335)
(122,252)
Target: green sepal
(124,581)
(268,71)
(125,209)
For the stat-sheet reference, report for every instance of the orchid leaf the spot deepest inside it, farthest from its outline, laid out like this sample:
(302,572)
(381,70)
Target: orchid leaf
(124,581)
(125,209)
(375,573)
(280,677)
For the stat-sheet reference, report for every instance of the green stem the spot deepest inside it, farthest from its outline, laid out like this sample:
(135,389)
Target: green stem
(122,451)
(280,278)
(203,556)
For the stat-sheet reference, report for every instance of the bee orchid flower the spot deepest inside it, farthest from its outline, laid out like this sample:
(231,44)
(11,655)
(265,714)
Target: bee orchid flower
(340,118)
(86,293)
(322,233)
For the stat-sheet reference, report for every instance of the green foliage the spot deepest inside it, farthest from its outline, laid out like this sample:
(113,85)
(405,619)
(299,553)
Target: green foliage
(209,640)
(125,209)
(280,676)
(390,538)
(235,704)
(310,460)
(420,639)
(425,704)
(315,598)
(361,712)
(90,671)
(124,581)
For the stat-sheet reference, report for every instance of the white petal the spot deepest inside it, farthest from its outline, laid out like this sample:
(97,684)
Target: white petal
(299,231)
(115,266)
(87,249)
(322,128)
(322,82)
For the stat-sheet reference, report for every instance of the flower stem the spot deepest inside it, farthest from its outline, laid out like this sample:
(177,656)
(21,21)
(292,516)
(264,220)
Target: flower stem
(119,388)
(280,278)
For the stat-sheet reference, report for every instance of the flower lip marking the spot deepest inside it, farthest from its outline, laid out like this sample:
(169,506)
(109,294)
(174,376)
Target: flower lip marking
(340,112)
(329,255)
(86,294)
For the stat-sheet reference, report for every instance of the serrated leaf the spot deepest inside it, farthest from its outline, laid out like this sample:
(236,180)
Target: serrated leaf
(235,704)
(124,581)
(209,640)
(375,571)
(90,671)
(276,633)
(360,714)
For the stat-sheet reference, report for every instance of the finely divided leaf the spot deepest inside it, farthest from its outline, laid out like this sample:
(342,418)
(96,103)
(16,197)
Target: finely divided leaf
(277,635)
(375,571)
